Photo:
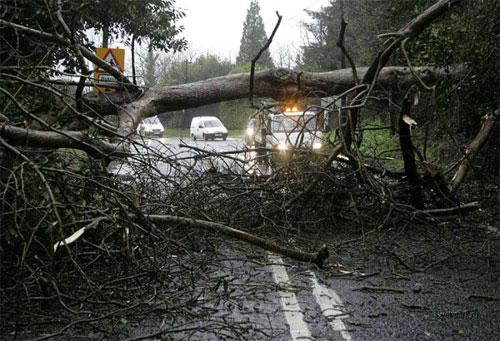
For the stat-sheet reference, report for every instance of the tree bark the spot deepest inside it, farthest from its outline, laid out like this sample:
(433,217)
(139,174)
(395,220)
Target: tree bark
(278,84)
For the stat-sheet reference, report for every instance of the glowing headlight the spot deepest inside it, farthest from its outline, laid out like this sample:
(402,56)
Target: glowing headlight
(317,145)
(282,146)
(250,131)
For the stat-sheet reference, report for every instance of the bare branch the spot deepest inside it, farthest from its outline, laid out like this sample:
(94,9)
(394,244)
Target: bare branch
(64,42)
(318,258)
(472,150)
(256,58)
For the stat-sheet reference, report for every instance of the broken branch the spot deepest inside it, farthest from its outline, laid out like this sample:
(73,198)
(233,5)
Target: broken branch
(317,258)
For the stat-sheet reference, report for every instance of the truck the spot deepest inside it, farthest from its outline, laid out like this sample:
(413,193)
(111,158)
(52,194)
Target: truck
(286,130)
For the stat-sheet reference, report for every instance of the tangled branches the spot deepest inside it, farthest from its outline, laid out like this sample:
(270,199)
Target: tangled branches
(98,225)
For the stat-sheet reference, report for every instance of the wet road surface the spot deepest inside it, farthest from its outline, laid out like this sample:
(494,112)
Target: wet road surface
(370,295)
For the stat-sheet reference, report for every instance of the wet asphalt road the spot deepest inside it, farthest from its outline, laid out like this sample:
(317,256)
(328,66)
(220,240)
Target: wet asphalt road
(180,148)
(420,285)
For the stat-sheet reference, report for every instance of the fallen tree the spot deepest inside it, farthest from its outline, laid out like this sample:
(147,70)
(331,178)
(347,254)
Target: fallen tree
(131,104)
(279,84)
(96,236)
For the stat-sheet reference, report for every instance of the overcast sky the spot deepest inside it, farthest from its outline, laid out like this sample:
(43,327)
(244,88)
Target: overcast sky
(216,26)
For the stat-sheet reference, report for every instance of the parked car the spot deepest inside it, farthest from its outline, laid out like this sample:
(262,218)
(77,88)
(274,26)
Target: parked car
(207,128)
(151,126)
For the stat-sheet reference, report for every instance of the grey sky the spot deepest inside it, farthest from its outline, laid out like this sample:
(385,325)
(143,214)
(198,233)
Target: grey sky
(216,26)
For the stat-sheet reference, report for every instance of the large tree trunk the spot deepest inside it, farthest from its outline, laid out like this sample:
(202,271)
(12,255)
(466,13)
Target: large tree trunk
(279,84)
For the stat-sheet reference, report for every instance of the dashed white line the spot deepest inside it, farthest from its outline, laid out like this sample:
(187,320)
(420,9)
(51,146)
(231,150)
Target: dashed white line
(331,306)
(291,308)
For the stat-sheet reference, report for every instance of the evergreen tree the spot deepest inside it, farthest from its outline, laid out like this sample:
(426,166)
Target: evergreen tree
(254,38)
(321,52)
(150,75)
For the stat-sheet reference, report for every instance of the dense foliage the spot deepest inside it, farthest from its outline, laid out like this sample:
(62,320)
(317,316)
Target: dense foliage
(320,51)
(154,20)
(468,37)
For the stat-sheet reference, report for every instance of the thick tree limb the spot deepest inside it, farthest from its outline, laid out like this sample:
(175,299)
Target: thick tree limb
(50,139)
(318,258)
(473,149)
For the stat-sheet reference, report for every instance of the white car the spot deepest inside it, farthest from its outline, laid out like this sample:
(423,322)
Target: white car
(151,126)
(207,128)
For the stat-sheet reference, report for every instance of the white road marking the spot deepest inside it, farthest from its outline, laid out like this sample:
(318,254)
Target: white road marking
(330,305)
(291,308)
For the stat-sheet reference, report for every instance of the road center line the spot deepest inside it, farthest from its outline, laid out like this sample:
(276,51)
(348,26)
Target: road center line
(331,306)
(291,308)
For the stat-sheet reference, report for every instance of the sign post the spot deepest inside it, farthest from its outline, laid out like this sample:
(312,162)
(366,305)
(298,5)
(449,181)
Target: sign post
(114,57)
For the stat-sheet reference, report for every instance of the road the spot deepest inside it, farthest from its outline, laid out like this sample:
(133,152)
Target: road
(424,284)
(269,297)
(182,149)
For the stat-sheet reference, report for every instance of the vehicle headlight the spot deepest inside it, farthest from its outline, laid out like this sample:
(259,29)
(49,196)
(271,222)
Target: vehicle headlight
(317,145)
(250,131)
(282,146)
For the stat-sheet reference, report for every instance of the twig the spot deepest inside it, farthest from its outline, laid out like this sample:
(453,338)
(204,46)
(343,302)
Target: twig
(450,210)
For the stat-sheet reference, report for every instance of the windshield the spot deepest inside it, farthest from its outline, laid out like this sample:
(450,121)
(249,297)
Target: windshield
(212,124)
(293,123)
(151,120)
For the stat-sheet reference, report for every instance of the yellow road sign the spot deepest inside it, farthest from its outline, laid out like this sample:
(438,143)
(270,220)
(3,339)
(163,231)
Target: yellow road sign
(114,57)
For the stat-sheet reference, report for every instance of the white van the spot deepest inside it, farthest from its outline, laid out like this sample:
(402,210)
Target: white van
(207,128)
